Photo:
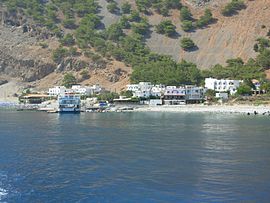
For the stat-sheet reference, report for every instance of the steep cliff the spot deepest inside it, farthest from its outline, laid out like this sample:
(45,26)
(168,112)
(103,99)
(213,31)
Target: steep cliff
(26,49)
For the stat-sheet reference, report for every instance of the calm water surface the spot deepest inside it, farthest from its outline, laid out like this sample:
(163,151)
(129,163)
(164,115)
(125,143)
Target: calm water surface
(134,157)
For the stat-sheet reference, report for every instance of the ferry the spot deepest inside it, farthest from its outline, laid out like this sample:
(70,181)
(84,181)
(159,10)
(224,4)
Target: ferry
(69,103)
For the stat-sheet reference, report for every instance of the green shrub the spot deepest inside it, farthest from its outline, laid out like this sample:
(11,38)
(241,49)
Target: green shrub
(44,45)
(114,32)
(185,14)
(206,19)
(59,54)
(126,8)
(68,40)
(112,7)
(69,80)
(233,7)
(187,25)
(69,23)
(166,27)
(187,44)
(244,90)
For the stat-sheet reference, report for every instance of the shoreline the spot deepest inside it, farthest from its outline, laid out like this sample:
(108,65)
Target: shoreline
(240,109)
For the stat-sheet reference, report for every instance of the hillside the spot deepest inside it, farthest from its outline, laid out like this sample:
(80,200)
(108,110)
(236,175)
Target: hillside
(42,40)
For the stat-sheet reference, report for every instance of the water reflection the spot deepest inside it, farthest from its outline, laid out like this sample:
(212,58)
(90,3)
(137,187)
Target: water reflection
(135,157)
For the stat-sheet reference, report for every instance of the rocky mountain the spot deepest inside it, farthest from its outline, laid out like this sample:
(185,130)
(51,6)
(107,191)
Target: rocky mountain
(26,47)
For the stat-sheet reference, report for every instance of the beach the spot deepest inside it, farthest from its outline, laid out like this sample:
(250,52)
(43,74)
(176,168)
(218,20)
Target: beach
(244,109)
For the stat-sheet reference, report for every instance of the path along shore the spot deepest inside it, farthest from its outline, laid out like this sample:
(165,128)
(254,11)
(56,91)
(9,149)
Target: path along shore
(244,109)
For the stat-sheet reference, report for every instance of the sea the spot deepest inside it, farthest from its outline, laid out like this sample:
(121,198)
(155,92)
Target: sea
(134,157)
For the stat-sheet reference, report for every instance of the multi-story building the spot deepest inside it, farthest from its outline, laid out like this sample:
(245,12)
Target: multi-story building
(146,89)
(194,94)
(174,95)
(158,90)
(222,85)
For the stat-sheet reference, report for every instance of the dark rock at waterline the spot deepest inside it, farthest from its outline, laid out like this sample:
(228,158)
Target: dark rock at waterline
(2,82)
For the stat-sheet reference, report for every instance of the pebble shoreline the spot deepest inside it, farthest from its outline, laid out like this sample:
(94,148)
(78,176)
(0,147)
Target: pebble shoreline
(243,109)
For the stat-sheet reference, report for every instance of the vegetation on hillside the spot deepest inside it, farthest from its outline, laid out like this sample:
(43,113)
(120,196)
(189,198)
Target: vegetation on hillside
(233,7)
(166,27)
(80,31)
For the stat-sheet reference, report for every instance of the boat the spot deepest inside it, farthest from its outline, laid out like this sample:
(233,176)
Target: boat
(69,103)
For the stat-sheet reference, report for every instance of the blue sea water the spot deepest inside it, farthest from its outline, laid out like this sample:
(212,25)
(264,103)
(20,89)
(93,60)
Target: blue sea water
(134,157)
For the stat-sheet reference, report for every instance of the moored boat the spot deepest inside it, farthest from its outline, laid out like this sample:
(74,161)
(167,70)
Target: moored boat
(69,103)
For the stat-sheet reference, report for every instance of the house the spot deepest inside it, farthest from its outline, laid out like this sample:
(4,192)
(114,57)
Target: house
(82,90)
(174,95)
(222,85)
(57,90)
(194,94)
(257,85)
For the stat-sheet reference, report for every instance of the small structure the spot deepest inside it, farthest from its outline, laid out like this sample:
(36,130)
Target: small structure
(155,102)
(222,95)
(34,98)
(222,85)
(257,89)
(123,100)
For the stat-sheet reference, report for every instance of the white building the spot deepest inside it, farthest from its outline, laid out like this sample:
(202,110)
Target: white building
(174,95)
(194,94)
(57,90)
(77,89)
(222,95)
(145,89)
(222,85)
(81,90)
(158,90)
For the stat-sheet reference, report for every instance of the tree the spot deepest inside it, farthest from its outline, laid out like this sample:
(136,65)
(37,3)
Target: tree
(134,16)
(127,93)
(69,80)
(107,96)
(185,14)
(265,86)
(263,59)
(233,7)
(69,23)
(244,90)
(126,8)
(235,62)
(112,7)
(68,40)
(114,32)
(143,5)
(166,27)
(187,44)
(187,25)
(140,28)
(59,54)
(206,19)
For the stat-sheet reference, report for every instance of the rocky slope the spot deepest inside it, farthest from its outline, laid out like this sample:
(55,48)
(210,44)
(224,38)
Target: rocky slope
(23,58)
